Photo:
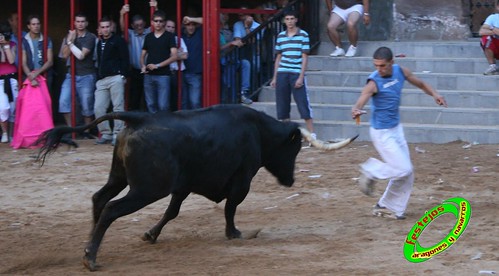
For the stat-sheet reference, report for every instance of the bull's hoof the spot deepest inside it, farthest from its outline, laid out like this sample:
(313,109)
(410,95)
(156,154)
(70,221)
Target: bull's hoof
(149,237)
(235,234)
(89,264)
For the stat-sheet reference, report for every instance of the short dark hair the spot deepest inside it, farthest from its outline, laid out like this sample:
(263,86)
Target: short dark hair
(383,53)
(105,19)
(137,17)
(289,12)
(31,17)
(80,14)
(159,13)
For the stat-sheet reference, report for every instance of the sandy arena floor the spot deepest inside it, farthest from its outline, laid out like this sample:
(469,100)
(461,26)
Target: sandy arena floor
(321,226)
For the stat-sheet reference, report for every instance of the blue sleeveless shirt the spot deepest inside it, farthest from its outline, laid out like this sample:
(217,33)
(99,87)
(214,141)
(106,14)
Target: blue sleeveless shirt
(385,103)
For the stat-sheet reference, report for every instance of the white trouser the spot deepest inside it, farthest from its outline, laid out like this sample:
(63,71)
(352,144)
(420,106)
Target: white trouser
(397,167)
(7,109)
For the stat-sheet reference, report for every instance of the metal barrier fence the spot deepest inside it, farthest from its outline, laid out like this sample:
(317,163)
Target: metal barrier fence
(251,66)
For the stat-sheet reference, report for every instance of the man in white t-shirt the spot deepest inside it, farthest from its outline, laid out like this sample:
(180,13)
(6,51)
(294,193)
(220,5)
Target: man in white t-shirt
(490,41)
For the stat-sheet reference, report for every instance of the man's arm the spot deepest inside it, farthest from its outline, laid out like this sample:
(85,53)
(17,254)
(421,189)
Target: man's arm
(329,6)
(276,66)
(124,9)
(304,62)
(366,15)
(423,86)
(143,61)
(188,19)
(488,30)
(50,61)
(367,92)
(65,52)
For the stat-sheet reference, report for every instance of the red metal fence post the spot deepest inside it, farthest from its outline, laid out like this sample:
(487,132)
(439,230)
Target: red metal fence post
(211,55)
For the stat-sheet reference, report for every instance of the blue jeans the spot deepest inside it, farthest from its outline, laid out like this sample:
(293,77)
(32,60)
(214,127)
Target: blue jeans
(230,77)
(191,91)
(157,92)
(285,83)
(85,88)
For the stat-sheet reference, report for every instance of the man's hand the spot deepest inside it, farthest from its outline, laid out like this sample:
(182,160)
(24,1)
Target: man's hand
(71,36)
(248,21)
(299,82)
(125,9)
(237,43)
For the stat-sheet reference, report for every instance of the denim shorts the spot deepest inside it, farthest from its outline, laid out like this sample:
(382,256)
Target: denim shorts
(85,88)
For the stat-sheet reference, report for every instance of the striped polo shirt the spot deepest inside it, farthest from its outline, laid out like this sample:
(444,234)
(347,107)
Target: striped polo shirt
(291,49)
(135,43)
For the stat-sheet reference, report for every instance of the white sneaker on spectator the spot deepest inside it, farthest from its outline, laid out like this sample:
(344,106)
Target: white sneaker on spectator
(337,52)
(492,70)
(352,50)
(314,137)
(5,138)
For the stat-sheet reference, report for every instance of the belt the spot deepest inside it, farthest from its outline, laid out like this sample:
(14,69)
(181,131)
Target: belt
(7,86)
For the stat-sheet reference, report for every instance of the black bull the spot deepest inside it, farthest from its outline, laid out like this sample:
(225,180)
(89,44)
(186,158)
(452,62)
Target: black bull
(214,152)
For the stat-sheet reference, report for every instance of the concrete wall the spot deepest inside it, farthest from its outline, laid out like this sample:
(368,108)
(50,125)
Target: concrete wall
(413,20)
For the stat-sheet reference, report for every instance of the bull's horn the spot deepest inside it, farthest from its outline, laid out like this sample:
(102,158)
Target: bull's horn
(325,146)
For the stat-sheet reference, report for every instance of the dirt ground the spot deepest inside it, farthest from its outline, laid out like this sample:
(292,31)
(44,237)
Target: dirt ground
(320,226)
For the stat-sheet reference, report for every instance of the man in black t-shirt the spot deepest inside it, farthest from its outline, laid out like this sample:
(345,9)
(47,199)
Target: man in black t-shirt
(155,64)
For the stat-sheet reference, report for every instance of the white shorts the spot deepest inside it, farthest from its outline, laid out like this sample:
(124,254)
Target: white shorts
(344,13)
(7,109)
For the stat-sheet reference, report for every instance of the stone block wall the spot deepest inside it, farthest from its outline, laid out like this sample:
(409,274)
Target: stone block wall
(413,20)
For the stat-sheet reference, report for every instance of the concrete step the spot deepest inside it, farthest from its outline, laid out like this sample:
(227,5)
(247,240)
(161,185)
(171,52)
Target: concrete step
(414,132)
(440,81)
(410,97)
(419,49)
(454,68)
(417,65)
(409,114)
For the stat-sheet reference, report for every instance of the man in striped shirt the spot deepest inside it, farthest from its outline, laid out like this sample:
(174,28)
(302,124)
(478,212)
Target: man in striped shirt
(292,48)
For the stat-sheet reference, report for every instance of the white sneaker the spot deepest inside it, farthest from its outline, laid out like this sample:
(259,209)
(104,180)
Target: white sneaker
(314,137)
(5,138)
(366,184)
(337,52)
(352,50)
(492,70)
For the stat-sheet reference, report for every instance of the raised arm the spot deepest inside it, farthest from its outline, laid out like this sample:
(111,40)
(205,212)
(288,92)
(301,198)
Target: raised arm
(424,86)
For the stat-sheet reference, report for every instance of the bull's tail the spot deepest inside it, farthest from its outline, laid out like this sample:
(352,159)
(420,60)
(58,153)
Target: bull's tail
(325,146)
(52,138)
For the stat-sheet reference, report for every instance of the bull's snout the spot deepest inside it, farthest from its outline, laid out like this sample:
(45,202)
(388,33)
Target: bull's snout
(288,182)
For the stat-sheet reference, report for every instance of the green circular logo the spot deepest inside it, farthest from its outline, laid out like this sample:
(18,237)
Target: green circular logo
(458,206)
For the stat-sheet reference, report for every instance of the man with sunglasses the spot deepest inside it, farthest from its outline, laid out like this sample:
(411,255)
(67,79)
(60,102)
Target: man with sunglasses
(155,63)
